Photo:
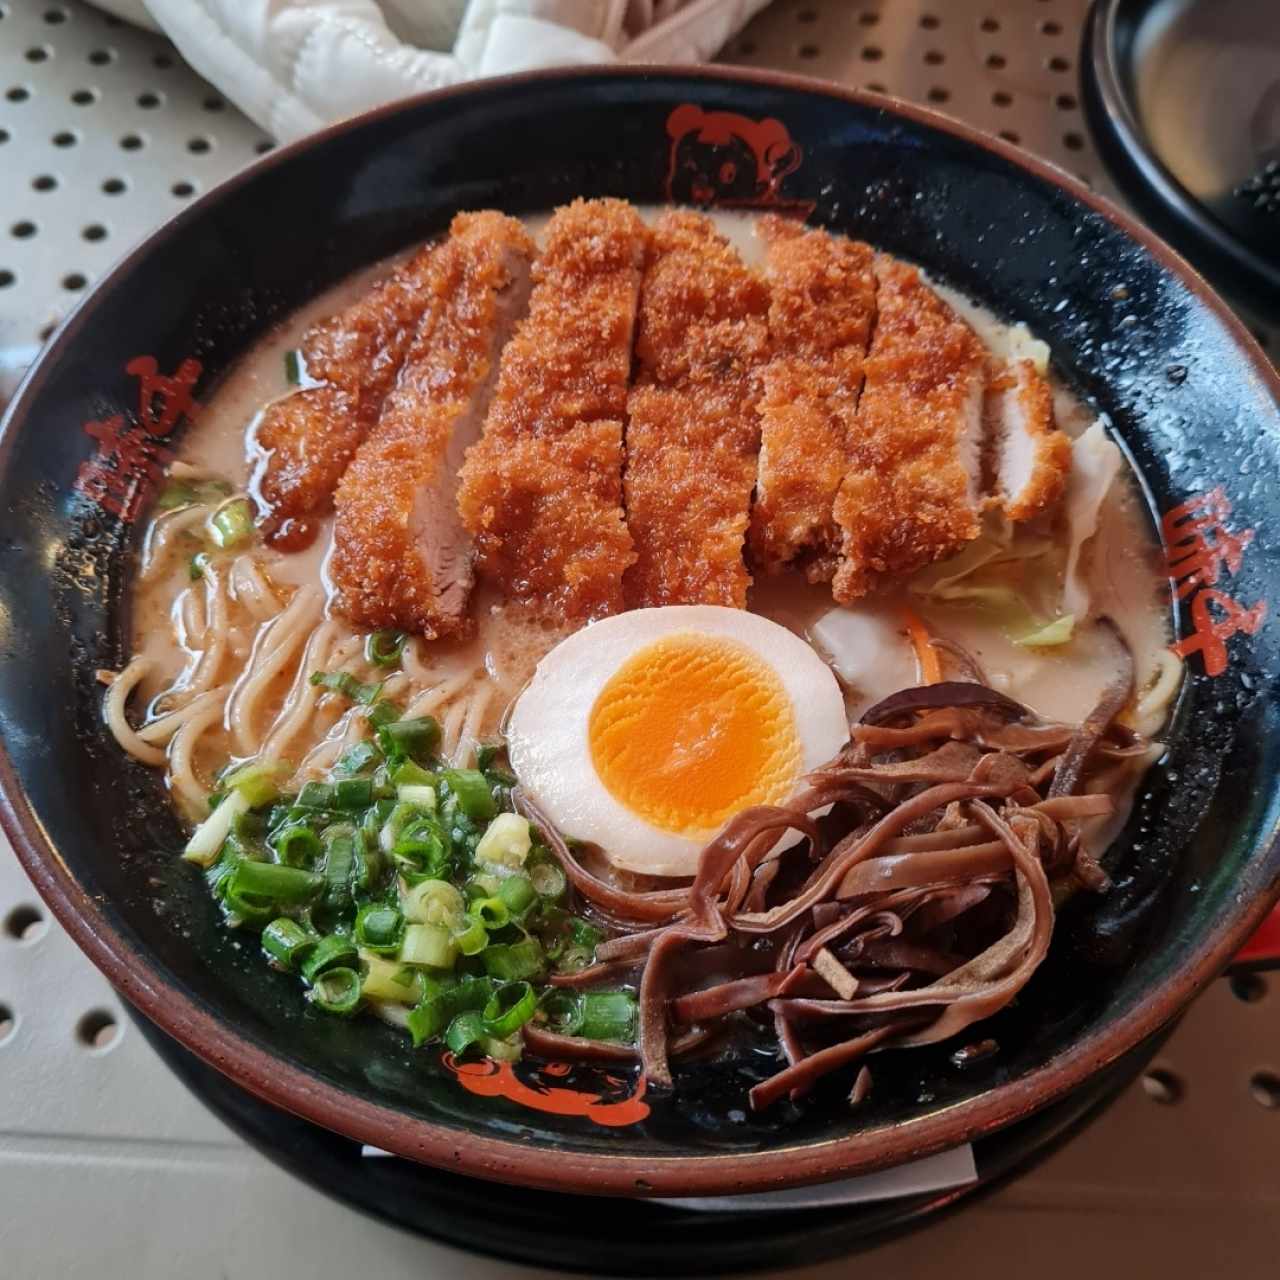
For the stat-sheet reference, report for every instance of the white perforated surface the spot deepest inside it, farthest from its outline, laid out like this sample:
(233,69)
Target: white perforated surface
(108,1168)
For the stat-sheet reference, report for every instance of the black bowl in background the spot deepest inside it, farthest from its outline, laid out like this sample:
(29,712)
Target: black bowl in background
(1189,396)
(1183,100)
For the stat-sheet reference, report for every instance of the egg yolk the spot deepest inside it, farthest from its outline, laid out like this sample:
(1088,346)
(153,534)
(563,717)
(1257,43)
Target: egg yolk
(690,730)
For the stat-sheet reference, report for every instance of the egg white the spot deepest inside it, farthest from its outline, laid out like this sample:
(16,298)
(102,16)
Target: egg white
(548,736)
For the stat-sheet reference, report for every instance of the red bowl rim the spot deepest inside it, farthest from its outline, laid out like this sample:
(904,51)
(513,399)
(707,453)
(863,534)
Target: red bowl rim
(304,1094)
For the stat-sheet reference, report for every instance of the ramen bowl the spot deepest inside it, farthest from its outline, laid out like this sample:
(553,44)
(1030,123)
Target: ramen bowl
(1133,330)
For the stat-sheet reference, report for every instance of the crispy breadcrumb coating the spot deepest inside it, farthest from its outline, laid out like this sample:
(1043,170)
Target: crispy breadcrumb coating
(400,557)
(307,439)
(693,432)
(820,315)
(542,491)
(1035,457)
(910,495)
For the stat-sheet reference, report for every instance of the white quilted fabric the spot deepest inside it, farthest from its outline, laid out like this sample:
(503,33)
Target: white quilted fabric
(296,65)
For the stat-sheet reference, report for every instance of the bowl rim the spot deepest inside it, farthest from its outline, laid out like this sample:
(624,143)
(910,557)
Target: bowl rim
(138,979)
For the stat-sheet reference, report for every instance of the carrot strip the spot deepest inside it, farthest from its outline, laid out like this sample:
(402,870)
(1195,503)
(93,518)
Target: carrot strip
(927,659)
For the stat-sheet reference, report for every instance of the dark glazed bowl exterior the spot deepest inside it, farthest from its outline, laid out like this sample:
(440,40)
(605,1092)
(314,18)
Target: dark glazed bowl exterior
(1188,394)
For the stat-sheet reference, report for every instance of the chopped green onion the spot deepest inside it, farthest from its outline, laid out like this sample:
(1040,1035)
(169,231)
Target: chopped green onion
(293,367)
(483,885)
(379,928)
(563,1010)
(548,880)
(272,882)
(420,794)
(345,683)
(506,841)
(287,942)
(471,935)
(382,711)
(432,1014)
(259,780)
(493,913)
(608,1015)
(334,950)
(176,493)
(209,837)
(585,934)
(337,991)
(512,961)
(297,845)
(1057,632)
(487,754)
(366,864)
(428,944)
(353,793)
(196,566)
(390,980)
(518,893)
(417,738)
(316,795)
(384,648)
(231,523)
(467,1029)
(356,757)
(409,774)
(509,1008)
(339,863)
(432,902)
(419,850)
(474,797)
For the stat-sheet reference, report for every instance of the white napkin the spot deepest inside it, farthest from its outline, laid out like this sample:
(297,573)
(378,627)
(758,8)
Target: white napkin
(295,65)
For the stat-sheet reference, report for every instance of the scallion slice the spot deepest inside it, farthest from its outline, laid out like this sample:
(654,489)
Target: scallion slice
(337,990)
(296,845)
(420,794)
(415,739)
(333,951)
(259,780)
(287,942)
(345,683)
(358,756)
(432,902)
(232,523)
(548,880)
(474,797)
(339,863)
(293,367)
(509,1008)
(608,1015)
(511,961)
(379,928)
(272,882)
(563,1010)
(493,913)
(390,980)
(384,648)
(518,893)
(466,1030)
(428,944)
(471,935)
(209,837)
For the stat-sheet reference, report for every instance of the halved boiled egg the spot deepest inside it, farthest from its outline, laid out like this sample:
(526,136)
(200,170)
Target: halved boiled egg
(646,732)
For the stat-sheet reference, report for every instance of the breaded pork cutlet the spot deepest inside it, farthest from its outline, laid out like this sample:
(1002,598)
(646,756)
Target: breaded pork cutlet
(911,494)
(821,309)
(1033,458)
(401,557)
(306,440)
(541,493)
(693,432)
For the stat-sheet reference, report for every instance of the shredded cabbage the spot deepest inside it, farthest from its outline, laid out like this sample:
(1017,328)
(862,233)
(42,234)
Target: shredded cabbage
(1059,631)
(1095,463)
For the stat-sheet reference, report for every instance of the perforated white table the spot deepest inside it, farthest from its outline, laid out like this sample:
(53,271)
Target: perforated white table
(109,1168)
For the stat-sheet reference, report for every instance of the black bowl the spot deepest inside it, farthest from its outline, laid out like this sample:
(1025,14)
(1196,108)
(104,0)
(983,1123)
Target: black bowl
(1132,327)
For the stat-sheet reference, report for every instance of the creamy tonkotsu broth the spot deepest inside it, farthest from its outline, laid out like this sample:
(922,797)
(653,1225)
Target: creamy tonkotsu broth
(230,646)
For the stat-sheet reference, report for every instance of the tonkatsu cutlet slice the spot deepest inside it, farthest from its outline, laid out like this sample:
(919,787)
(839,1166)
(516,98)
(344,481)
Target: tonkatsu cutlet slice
(821,309)
(541,492)
(401,557)
(693,432)
(911,494)
(306,440)
(1033,458)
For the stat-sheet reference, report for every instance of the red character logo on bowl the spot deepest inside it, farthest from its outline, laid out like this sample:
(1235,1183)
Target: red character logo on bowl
(611,1100)
(720,158)
(1199,548)
(130,457)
